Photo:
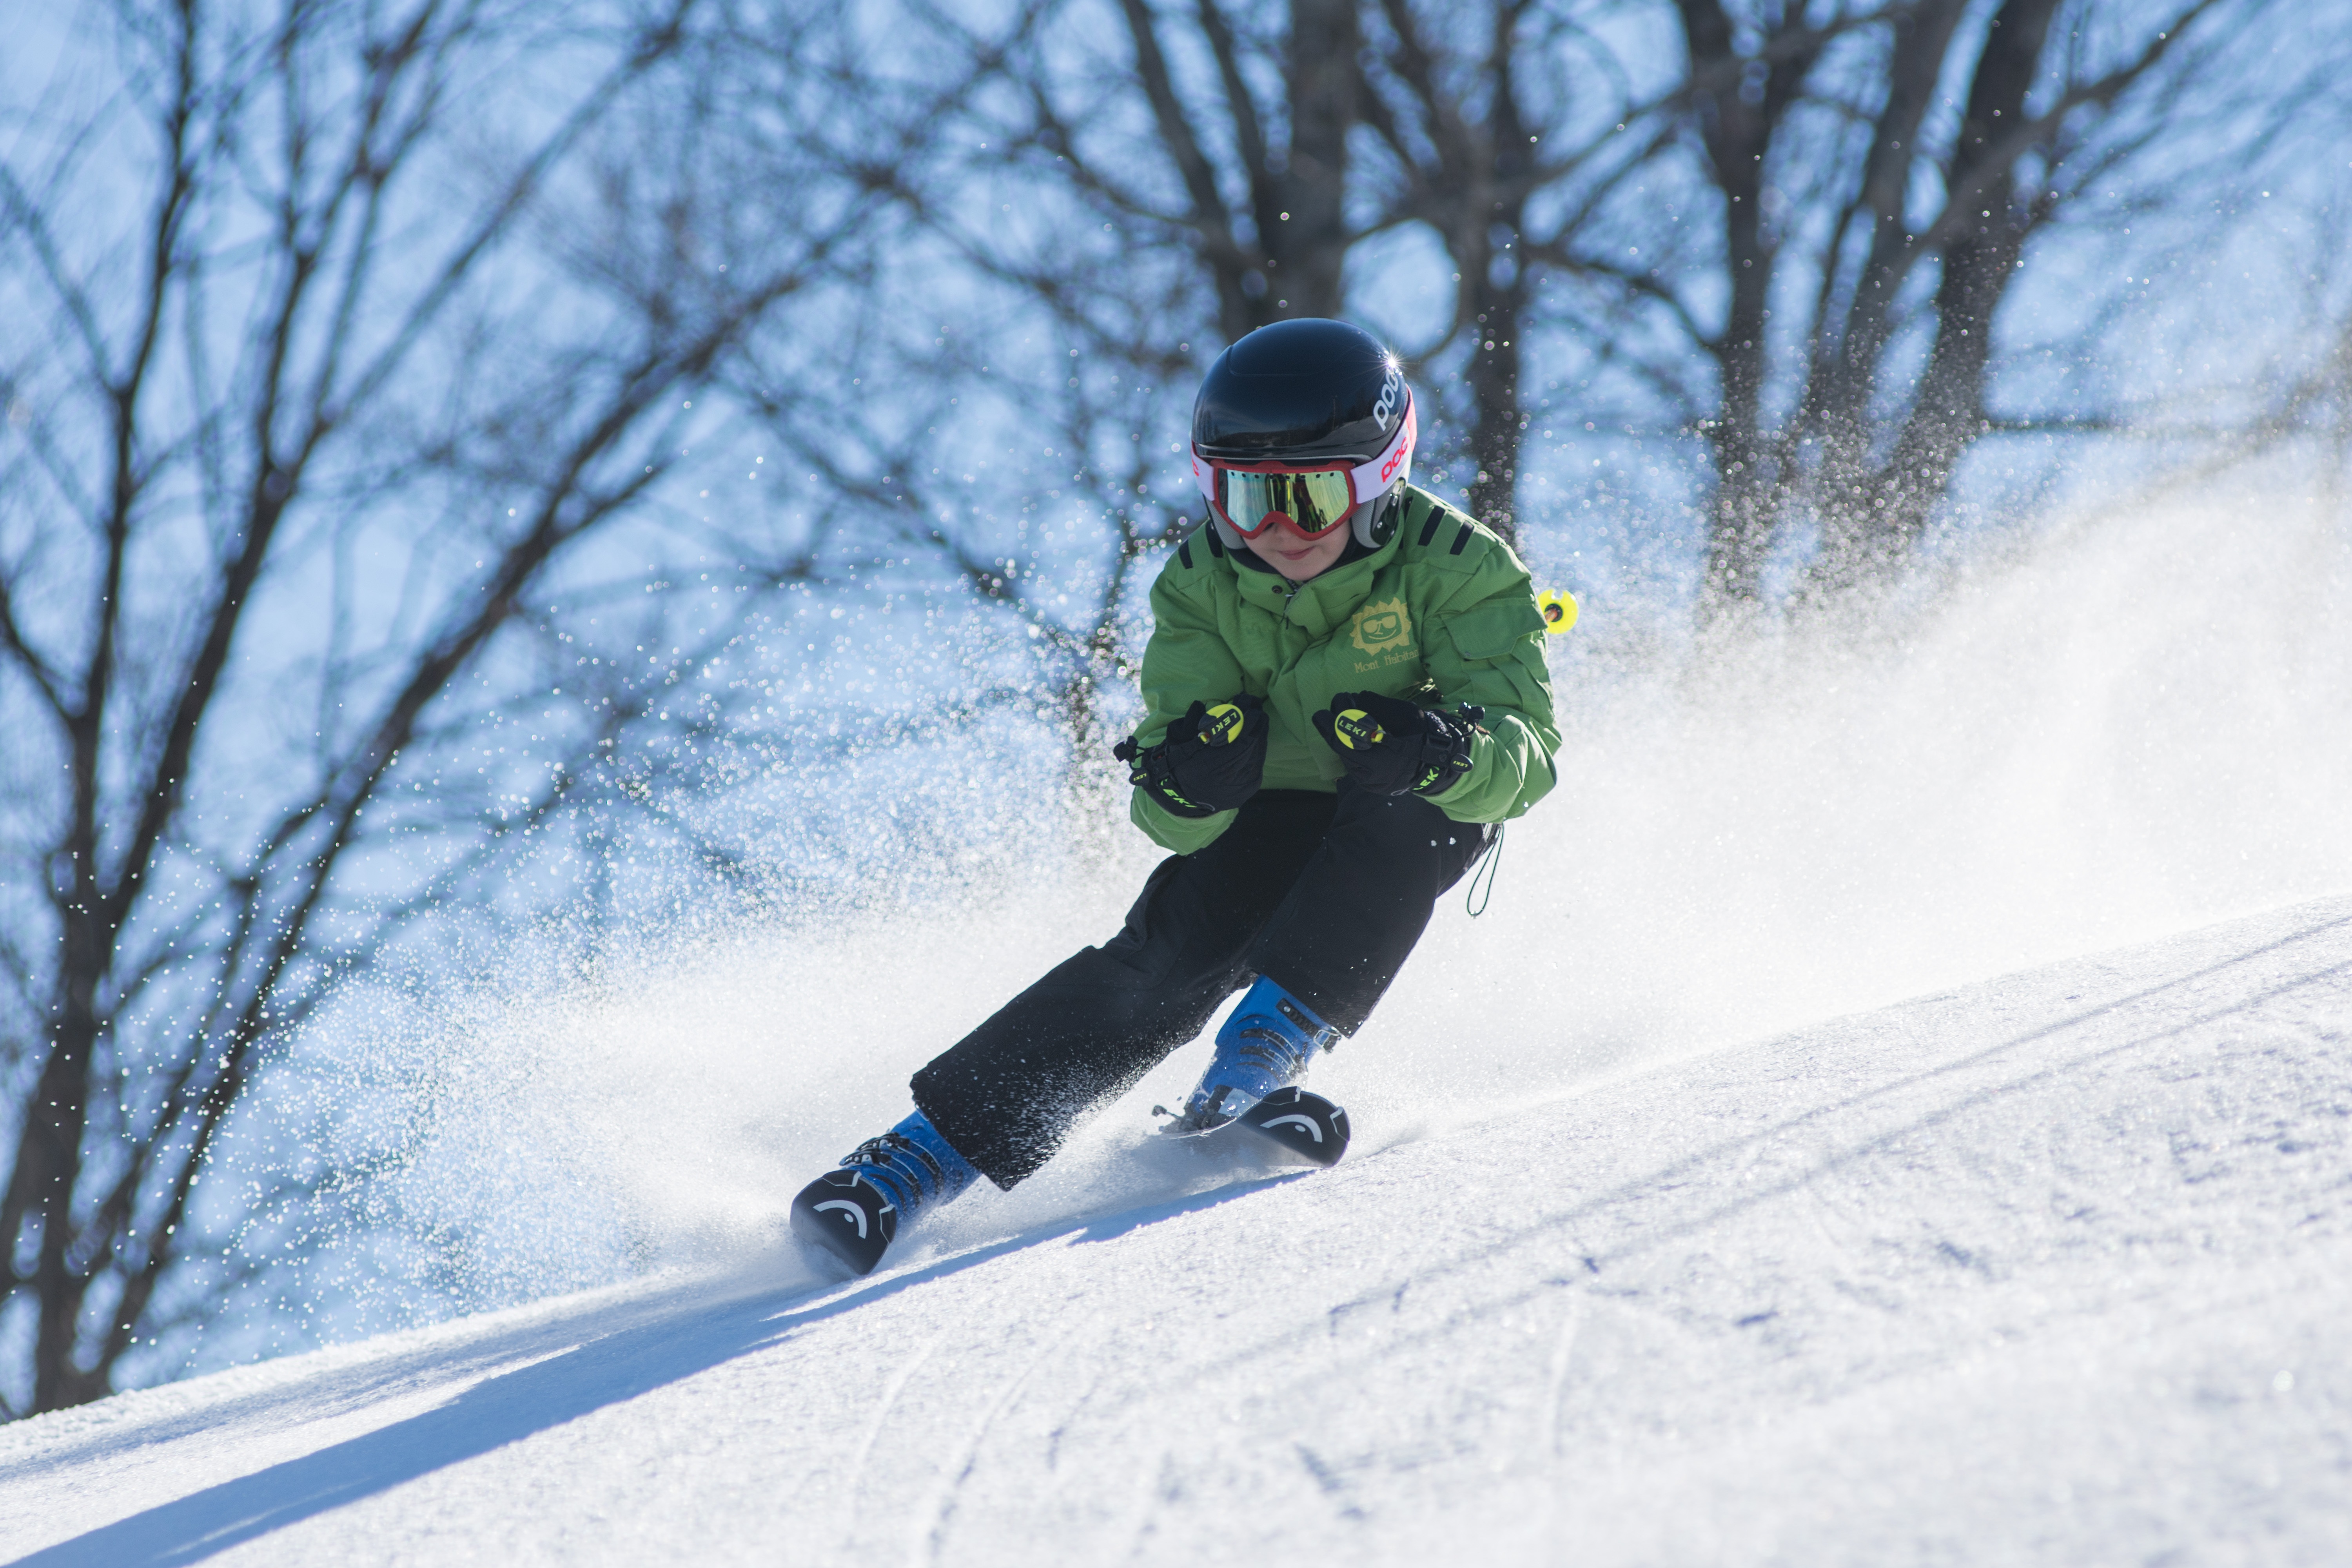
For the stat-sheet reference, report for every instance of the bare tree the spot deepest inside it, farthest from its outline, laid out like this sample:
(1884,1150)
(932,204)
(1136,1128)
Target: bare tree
(1014,347)
(311,424)
(1791,231)
(1875,180)
(1462,101)
(1259,186)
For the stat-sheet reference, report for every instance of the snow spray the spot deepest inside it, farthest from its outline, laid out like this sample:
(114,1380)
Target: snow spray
(2134,727)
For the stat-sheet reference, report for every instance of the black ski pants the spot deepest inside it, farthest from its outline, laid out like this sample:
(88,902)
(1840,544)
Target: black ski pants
(1324,894)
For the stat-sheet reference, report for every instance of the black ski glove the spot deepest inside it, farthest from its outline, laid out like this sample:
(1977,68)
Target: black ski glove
(1211,761)
(1391,746)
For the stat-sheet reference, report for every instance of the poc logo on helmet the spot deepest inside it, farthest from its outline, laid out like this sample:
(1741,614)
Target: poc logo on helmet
(1390,390)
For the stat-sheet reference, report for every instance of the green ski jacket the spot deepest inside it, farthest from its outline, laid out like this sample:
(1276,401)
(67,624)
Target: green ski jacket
(1443,614)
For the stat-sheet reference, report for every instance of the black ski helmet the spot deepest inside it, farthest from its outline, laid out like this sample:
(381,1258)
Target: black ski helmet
(1314,392)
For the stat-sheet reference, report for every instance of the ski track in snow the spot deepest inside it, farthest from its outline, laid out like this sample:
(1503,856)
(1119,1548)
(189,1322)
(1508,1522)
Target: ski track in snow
(2053,1268)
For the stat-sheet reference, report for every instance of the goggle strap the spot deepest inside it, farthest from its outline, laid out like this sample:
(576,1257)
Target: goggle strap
(1396,461)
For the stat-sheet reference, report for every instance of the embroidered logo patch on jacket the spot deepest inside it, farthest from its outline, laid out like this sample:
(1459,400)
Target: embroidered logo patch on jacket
(1382,628)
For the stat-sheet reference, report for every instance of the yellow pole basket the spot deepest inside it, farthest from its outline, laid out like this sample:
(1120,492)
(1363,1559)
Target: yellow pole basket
(1559,607)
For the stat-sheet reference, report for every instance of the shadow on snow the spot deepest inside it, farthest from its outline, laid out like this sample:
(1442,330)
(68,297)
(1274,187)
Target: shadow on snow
(510,1406)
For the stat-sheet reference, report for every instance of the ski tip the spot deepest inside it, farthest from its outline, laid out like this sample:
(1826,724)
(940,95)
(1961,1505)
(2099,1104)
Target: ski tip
(844,1221)
(1305,1127)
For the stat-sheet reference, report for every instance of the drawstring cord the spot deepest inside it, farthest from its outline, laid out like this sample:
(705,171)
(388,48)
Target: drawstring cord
(1488,859)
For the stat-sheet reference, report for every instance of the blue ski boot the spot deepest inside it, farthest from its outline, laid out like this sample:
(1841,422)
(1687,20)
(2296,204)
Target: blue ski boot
(851,1215)
(1264,1047)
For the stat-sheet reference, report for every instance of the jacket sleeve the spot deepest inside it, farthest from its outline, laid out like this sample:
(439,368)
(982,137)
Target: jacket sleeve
(1488,648)
(1186,661)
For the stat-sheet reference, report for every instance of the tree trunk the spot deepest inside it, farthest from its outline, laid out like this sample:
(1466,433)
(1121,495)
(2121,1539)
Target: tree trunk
(1980,264)
(1495,281)
(1849,346)
(1301,206)
(1735,128)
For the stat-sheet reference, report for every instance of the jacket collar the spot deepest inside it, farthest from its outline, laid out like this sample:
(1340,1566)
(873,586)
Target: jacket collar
(1322,604)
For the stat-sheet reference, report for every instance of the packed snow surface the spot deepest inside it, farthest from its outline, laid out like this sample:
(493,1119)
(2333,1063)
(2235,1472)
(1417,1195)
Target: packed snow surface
(2053,1268)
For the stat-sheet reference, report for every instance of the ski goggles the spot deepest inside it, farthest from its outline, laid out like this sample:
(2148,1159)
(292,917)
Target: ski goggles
(1310,501)
(1313,502)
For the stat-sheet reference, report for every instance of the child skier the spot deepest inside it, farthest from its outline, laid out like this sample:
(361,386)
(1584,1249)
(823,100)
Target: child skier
(1345,690)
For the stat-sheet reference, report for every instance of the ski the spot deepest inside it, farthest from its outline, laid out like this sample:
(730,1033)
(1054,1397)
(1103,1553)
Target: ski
(1288,1127)
(842,1216)
(1306,1127)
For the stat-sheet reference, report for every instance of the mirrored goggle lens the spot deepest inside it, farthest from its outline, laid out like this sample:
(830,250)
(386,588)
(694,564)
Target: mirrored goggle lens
(1314,503)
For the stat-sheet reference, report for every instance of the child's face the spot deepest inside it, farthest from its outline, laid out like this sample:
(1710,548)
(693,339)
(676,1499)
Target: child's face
(1297,559)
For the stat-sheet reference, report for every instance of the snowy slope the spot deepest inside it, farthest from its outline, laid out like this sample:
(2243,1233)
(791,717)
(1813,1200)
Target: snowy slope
(2057,1269)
